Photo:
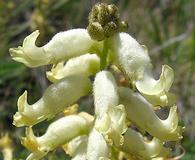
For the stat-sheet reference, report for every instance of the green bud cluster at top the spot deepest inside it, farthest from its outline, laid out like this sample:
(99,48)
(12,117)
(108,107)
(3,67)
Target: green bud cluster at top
(104,22)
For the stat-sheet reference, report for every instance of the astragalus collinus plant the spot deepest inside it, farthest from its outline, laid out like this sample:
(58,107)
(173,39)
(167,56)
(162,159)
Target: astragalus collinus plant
(86,61)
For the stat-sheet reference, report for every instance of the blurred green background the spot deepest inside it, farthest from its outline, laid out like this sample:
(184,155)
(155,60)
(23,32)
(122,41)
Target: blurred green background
(166,27)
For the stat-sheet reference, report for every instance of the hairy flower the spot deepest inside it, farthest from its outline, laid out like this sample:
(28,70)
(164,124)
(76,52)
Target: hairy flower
(90,65)
(80,60)
(97,148)
(128,54)
(60,48)
(105,92)
(113,125)
(77,148)
(140,112)
(55,99)
(73,126)
(133,59)
(136,145)
(111,117)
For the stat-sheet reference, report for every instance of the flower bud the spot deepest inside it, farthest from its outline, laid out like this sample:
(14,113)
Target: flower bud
(104,22)
(110,28)
(96,31)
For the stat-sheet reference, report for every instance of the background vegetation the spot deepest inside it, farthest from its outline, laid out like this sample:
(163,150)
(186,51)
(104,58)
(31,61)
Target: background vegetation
(166,27)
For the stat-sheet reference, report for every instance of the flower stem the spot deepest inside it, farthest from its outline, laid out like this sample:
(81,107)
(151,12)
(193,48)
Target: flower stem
(103,55)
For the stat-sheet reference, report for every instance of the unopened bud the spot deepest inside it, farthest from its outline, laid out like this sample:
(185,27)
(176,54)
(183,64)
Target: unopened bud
(104,22)
(96,31)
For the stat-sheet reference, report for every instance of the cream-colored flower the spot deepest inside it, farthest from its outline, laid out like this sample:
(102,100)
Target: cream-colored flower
(136,145)
(129,55)
(56,98)
(113,125)
(63,46)
(133,59)
(77,148)
(58,133)
(6,147)
(111,117)
(156,91)
(97,148)
(87,64)
(76,55)
(141,112)
(105,92)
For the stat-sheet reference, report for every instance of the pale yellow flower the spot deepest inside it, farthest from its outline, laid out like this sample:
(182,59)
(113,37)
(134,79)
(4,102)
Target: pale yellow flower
(97,148)
(87,64)
(58,133)
(61,47)
(141,112)
(56,98)
(136,145)
(77,148)
(134,60)
(105,92)
(110,117)
(6,147)
(76,59)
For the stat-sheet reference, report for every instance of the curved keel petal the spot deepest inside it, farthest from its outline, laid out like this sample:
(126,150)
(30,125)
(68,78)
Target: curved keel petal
(156,91)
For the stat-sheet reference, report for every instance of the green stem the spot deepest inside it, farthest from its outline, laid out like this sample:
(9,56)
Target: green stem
(103,55)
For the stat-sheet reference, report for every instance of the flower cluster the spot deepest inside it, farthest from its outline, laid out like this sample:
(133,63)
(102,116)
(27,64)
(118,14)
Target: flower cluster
(110,133)
(6,147)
